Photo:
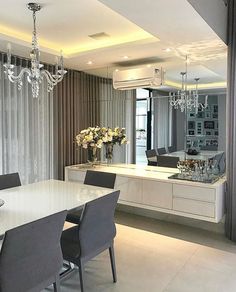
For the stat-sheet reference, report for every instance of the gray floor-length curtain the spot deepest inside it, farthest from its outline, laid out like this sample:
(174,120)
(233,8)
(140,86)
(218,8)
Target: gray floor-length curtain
(76,107)
(26,144)
(231,124)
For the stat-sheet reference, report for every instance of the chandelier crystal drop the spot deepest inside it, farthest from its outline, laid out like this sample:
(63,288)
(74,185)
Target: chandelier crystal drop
(186,99)
(35,73)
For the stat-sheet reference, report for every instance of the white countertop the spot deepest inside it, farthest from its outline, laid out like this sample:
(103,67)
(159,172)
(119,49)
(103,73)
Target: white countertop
(142,171)
(30,202)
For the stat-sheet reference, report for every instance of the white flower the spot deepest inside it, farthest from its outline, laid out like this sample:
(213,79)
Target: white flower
(96,136)
(105,139)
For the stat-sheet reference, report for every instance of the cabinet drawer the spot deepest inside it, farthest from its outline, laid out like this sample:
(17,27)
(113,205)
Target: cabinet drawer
(157,194)
(75,175)
(194,193)
(130,189)
(194,207)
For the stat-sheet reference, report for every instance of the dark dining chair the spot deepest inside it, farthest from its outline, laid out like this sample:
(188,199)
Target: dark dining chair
(161,151)
(171,149)
(220,158)
(100,179)
(31,256)
(10,180)
(93,178)
(94,234)
(151,157)
(209,148)
(167,161)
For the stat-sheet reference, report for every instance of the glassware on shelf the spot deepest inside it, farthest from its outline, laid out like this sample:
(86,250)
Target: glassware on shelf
(215,167)
(205,171)
(196,172)
(180,168)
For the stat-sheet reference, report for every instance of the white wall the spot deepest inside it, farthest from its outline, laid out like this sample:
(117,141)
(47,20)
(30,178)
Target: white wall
(214,12)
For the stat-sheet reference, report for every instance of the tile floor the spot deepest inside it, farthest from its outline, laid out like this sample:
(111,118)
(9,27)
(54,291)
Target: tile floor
(153,256)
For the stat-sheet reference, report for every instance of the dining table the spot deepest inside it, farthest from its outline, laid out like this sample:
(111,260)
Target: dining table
(201,155)
(31,202)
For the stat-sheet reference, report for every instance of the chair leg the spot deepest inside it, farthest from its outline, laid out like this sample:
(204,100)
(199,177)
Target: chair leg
(113,264)
(56,285)
(81,275)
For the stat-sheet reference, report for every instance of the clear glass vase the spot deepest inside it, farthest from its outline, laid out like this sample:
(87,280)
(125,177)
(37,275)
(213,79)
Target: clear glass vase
(109,152)
(92,155)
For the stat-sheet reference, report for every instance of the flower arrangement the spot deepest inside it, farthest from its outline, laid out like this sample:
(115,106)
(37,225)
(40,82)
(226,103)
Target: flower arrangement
(90,137)
(115,136)
(94,137)
(112,137)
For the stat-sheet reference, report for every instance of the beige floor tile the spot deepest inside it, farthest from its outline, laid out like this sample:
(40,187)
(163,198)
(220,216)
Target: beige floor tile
(193,278)
(214,259)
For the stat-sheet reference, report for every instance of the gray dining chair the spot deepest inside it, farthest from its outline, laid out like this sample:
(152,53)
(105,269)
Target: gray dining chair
(94,178)
(161,151)
(151,157)
(167,161)
(31,256)
(100,179)
(94,234)
(171,149)
(10,180)
(209,148)
(220,158)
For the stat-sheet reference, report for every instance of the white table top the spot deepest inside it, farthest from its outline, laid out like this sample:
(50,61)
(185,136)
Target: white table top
(31,202)
(203,155)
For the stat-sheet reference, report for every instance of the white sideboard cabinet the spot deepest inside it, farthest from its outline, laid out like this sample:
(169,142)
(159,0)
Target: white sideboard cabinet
(148,187)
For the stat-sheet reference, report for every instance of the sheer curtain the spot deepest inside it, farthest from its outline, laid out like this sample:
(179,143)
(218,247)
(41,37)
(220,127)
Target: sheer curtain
(26,129)
(162,122)
(117,110)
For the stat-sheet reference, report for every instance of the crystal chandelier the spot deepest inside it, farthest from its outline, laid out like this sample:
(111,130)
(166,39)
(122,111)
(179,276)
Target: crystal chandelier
(186,99)
(35,73)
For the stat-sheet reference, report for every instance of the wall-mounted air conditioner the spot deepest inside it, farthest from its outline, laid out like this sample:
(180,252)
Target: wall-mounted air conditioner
(138,78)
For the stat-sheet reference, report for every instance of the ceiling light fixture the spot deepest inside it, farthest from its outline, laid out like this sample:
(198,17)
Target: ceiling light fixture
(89,62)
(125,57)
(35,73)
(168,50)
(186,99)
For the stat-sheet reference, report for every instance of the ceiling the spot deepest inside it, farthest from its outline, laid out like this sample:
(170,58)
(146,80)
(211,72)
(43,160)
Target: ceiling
(139,30)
